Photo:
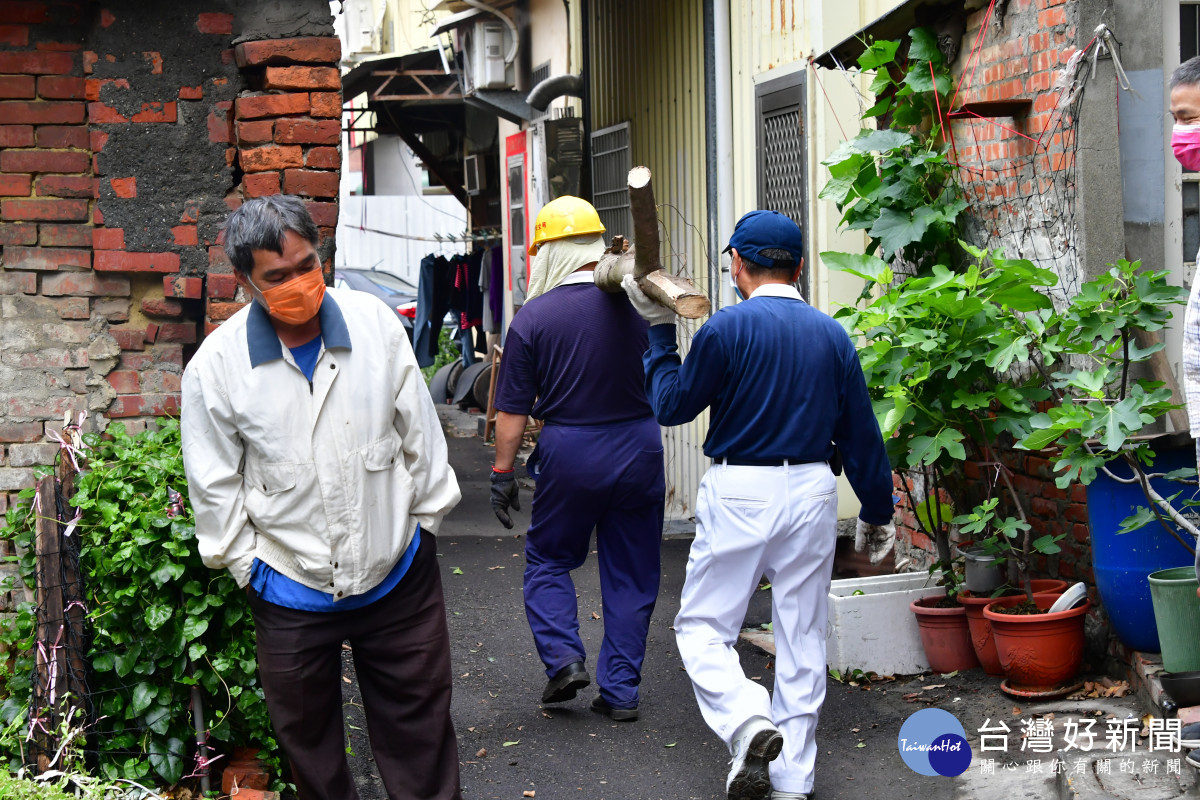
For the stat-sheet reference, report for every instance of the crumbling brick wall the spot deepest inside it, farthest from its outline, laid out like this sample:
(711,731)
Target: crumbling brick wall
(128,130)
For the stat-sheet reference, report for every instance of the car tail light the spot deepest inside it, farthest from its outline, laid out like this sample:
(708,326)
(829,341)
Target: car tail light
(407,310)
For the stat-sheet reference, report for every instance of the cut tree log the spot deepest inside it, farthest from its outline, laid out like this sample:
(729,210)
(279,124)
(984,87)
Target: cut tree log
(642,260)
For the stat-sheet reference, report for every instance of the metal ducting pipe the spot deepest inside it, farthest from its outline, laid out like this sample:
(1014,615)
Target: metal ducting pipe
(557,86)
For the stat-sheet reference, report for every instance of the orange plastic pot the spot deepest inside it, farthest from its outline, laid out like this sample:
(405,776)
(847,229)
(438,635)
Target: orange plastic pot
(981,629)
(944,635)
(1038,652)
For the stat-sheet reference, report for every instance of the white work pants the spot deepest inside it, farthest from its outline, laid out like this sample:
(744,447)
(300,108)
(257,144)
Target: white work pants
(781,522)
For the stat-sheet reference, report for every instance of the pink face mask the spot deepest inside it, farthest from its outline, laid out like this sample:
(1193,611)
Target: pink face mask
(1185,142)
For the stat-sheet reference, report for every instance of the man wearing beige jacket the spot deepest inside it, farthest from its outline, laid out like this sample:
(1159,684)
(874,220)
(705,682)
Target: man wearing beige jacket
(318,474)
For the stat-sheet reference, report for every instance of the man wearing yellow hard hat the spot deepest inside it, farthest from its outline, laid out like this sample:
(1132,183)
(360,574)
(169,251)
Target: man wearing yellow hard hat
(573,358)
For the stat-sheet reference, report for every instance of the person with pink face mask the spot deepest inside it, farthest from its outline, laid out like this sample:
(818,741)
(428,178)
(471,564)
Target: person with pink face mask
(318,474)
(1185,142)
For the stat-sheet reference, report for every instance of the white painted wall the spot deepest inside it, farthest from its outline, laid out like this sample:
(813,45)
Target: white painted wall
(395,170)
(411,220)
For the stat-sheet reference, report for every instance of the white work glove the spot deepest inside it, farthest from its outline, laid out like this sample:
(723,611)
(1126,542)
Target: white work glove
(878,538)
(649,310)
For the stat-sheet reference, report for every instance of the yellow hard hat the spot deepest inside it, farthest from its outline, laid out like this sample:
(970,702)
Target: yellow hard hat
(563,217)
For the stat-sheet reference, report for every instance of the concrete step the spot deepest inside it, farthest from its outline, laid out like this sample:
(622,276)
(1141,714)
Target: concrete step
(1149,776)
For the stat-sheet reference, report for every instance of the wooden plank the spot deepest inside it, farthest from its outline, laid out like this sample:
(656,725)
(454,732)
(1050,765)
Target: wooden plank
(489,424)
(51,661)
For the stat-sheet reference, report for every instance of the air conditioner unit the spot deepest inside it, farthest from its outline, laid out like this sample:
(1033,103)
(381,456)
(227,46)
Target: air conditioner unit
(556,149)
(486,44)
(475,173)
(360,27)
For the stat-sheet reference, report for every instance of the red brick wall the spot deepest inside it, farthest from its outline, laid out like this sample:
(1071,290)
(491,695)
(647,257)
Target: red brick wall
(127,133)
(284,133)
(1048,509)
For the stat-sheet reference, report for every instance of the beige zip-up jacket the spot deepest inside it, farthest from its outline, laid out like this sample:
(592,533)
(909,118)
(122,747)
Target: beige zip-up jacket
(325,482)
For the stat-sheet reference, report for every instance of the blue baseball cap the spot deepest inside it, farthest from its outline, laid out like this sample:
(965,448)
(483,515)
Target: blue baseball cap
(764,230)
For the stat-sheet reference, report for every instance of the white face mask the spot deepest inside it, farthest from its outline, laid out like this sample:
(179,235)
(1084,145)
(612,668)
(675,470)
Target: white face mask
(733,283)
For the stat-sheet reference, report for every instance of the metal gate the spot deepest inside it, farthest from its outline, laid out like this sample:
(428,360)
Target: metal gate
(782,159)
(610,172)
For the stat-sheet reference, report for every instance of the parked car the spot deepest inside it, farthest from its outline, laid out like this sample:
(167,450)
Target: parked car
(399,294)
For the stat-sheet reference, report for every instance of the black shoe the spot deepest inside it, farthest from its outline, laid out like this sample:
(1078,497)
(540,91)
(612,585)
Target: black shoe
(612,712)
(566,683)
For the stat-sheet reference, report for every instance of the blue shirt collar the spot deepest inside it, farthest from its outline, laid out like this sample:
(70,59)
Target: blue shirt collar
(264,343)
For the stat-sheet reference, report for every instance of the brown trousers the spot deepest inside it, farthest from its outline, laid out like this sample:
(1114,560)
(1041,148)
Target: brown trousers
(401,650)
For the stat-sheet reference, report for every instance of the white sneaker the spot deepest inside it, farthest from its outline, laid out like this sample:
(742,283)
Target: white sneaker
(778,795)
(755,745)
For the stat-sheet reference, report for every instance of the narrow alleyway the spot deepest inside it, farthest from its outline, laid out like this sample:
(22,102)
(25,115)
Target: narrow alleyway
(509,745)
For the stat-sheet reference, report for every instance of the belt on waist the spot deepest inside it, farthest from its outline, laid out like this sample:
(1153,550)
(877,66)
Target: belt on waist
(736,461)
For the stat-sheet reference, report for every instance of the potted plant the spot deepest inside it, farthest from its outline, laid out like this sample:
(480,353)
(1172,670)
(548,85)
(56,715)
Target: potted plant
(1102,408)
(1039,651)
(981,521)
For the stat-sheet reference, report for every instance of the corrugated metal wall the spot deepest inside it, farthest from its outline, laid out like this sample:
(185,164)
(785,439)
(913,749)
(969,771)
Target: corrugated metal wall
(764,35)
(647,69)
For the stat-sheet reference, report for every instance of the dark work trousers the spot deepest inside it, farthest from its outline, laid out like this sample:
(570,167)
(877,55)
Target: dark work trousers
(608,478)
(401,650)
(434,284)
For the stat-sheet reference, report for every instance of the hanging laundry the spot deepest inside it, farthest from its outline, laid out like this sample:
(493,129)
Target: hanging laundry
(435,284)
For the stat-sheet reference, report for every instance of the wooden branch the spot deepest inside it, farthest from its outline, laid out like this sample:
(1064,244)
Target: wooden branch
(73,596)
(642,258)
(676,293)
(645,222)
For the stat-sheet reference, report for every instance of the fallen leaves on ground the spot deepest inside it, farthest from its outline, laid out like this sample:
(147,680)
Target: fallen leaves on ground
(482,752)
(915,697)
(1105,687)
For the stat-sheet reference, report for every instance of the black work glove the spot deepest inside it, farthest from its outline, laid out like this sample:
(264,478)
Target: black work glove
(505,494)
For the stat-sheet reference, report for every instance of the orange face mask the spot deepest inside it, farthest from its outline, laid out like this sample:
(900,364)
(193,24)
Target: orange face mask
(297,301)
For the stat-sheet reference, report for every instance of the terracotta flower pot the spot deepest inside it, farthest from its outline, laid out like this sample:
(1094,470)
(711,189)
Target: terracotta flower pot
(1038,651)
(944,635)
(981,629)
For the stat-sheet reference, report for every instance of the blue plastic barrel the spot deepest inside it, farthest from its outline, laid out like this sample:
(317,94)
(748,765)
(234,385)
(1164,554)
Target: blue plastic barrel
(1122,563)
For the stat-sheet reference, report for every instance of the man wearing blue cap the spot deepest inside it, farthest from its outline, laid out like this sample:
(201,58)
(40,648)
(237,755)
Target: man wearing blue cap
(785,391)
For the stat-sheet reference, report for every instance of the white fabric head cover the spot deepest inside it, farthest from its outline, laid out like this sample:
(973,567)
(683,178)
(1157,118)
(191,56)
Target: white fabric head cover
(558,258)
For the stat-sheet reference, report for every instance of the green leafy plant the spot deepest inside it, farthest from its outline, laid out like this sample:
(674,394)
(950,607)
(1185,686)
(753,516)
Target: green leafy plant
(448,352)
(939,353)
(895,182)
(162,622)
(64,776)
(947,349)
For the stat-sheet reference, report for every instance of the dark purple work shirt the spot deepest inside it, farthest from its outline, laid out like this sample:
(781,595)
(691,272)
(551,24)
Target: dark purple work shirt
(573,356)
